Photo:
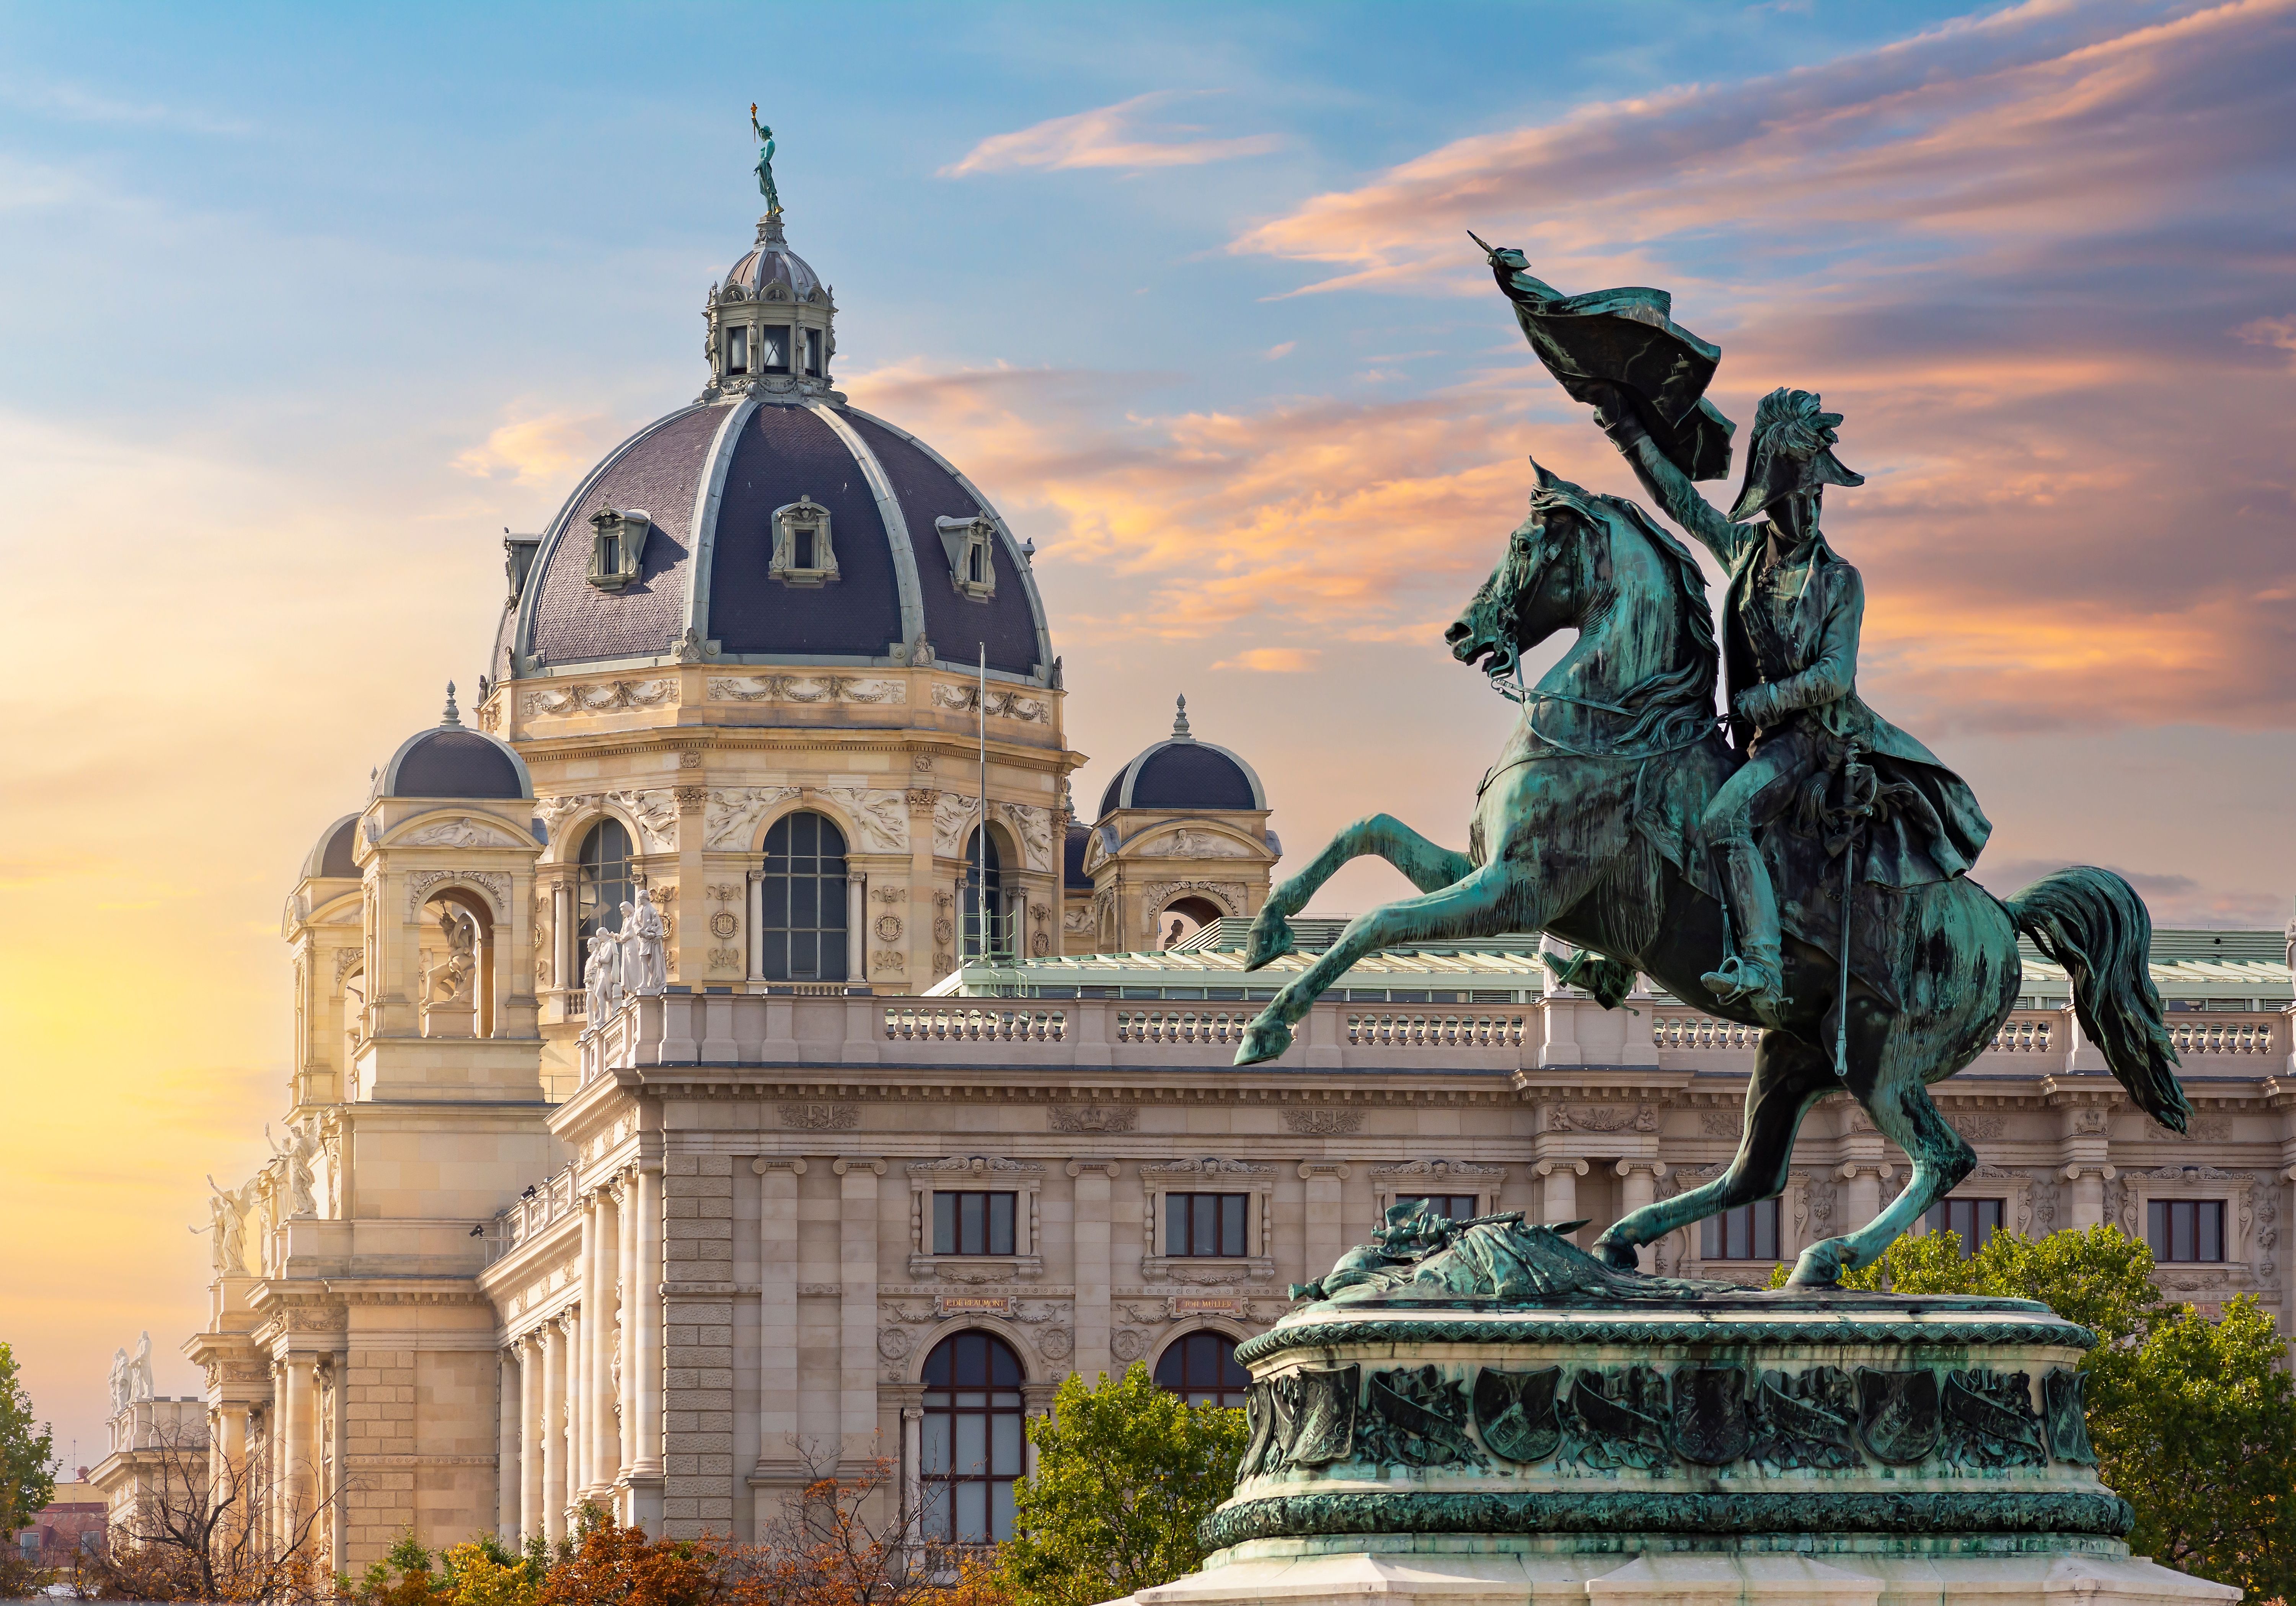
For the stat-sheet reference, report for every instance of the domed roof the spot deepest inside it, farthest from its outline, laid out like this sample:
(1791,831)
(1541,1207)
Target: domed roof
(450,759)
(708,481)
(1181,772)
(330,855)
(771,261)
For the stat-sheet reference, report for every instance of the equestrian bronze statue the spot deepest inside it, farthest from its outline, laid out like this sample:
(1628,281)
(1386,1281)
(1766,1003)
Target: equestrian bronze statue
(1796,864)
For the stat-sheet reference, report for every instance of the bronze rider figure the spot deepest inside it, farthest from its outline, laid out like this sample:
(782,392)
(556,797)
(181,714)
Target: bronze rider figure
(1791,619)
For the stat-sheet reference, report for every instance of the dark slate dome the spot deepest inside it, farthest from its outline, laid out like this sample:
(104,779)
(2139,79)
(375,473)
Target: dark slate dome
(711,479)
(1182,772)
(450,759)
(331,856)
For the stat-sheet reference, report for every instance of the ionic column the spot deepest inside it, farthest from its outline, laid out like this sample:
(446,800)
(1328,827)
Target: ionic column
(757,919)
(645,1502)
(1638,1187)
(1093,1272)
(1561,1188)
(627,1237)
(1861,1200)
(1326,1234)
(777,1267)
(553,1434)
(605,1436)
(856,933)
(295,1478)
(857,1305)
(506,1444)
(2088,1194)
(584,1381)
(232,1471)
(529,1437)
(913,1485)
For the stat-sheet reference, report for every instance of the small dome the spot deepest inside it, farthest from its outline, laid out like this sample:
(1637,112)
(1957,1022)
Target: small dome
(331,857)
(771,261)
(450,759)
(1182,772)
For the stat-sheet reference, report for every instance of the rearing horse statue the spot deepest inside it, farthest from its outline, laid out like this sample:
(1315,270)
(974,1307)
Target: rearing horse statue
(1586,827)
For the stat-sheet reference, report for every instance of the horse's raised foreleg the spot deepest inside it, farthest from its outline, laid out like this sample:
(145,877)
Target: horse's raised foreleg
(1901,1108)
(1487,902)
(1789,1077)
(1429,868)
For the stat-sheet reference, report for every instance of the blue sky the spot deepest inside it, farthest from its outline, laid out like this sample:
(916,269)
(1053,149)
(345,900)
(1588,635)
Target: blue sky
(303,305)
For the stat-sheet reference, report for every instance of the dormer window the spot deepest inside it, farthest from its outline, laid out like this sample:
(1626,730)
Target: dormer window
(773,348)
(618,546)
(803,554)
(737,348)
(970,544)
(813,354)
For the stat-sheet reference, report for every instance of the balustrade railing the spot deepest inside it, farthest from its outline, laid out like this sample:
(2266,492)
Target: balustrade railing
(2222,1037)
(914,1025)
(1693,1031)
(2024,1034)
(1223,1028)
(1435,1031)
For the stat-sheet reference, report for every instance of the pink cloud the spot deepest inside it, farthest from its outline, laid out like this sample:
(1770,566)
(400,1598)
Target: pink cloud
(1107,137)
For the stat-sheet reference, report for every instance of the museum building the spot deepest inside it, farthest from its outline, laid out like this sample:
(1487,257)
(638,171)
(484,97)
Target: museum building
(934,1102)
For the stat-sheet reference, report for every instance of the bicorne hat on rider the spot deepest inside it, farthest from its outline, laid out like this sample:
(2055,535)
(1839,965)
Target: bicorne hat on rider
(1791,451)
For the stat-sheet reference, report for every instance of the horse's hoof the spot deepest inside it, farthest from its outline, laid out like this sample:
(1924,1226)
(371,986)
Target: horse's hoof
(1270,938)
(1819,1267)
(1617,1254)
(1263,1040)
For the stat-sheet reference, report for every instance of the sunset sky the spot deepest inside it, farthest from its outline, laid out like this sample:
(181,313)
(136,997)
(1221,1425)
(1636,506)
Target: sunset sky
(300,306)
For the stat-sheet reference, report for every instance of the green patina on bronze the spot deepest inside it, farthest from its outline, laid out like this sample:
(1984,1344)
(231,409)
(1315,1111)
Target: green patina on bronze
(1809,877)
(1719,1516)
(766,187)
(1464,1329)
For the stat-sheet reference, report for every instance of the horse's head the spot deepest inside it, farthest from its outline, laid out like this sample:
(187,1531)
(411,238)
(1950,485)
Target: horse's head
(1539,588)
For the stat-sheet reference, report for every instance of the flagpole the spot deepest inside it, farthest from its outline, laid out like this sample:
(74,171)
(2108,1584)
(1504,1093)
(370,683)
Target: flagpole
(980,836)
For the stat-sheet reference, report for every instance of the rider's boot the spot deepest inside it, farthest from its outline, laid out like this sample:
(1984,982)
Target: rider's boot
(1751,975)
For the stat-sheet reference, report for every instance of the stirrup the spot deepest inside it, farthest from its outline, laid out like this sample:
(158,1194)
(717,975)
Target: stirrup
(1750,982)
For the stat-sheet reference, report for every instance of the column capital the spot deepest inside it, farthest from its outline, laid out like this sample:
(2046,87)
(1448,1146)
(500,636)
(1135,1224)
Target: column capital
(1657,1168)
(1336,1170)
(1849,1169)
(2073,1171)
(1106,1168)
(845,1163)
(765,1163)
(1549,1167)
(913,1413)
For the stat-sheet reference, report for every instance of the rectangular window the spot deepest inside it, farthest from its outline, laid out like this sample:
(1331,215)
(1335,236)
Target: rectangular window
(1457,1206)
(973,1223)
(2185,1229)
(1975,1219)
(977,562)
(773,348)
(1205,1225)
(737,349)
(813,354)
(801,547)
(1749,1233)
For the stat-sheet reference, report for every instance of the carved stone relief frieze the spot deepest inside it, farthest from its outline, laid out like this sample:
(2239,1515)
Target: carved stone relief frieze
(953,816)
(1091,1117)
(881,819)
(1643,1117)
(1002,705)
(459,834)
(817,1116)
(806,689)
(730,819)
(419,886)
(600,698)
(1199,844)
(1228,894)
(1033,827)
(1323,1123)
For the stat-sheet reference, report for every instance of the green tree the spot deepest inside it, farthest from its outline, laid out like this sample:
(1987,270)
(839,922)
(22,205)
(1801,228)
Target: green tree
(2193,1420)
(1125,1471)
(28,1462)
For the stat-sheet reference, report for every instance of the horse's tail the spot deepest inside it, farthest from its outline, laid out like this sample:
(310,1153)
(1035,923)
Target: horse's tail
(2093,923)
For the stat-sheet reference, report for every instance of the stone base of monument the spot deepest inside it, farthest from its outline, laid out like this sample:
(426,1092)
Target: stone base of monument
(1561,1433)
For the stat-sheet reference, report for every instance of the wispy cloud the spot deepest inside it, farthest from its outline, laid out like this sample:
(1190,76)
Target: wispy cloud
(1109,136)
(540,448)
(1274,659)
(76,102)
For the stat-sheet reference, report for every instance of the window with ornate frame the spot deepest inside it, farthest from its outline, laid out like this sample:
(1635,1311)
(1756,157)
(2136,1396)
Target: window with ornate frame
(801,936)
(1749,1233)
(1201,1367)
(1441,1181)
(2183,1230)
(979,1177)
(971,547)
(803,553)
(1975,1220)
(1161,1180)
(970,1439)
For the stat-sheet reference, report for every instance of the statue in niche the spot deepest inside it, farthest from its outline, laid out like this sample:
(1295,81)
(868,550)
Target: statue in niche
(645,953)
(297,1151)
(228,1224)
(451,979)
(601,976)
(139,1370)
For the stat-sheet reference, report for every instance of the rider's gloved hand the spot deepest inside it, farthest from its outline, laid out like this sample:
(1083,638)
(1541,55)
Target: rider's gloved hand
(1758,706)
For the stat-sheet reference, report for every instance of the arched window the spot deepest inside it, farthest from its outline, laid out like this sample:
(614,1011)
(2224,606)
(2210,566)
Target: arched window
(1201,1369)
(802,935)
(984,876)
(972,1439)
(604,885)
